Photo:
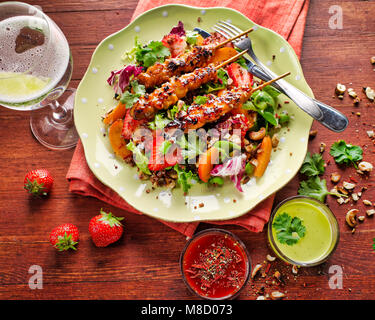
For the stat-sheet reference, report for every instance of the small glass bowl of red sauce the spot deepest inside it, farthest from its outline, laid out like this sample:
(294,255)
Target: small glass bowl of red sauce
(215,264)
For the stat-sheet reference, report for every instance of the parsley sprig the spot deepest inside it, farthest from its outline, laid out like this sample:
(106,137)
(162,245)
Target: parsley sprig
(313,165)
(314,187)
(288,230)
(345,153)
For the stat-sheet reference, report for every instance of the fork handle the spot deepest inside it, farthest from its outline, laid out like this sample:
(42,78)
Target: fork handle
(326,115)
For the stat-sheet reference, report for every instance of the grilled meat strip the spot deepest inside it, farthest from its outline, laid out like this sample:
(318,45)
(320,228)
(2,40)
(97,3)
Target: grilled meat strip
(161,72)
(170,92)
(197,115)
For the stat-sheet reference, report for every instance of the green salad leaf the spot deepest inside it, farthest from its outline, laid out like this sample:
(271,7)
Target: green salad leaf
(175,109)
(225,147)
(315,188)
(222,83)
(128,98)
(149,54)
(200,99)
(140,159)
(218,181)
(313,165)
(159,122)
(288,230)
(184,178)
(345,153)
(264,102)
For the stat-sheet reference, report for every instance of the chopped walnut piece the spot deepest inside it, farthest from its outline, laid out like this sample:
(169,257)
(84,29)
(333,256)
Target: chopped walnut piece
(313,134)
(277,295)
(351,217)
(365,166)
(322,147)
(367,202)
(361,218)
(335,177)
(370,93)
(355,197)
(340,89)
(255,270)
(348,185)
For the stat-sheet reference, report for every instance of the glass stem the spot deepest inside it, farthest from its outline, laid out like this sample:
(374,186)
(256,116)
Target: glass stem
(59,113)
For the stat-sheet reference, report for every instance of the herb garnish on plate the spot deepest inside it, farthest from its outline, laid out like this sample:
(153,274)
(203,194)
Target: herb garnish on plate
(288,230)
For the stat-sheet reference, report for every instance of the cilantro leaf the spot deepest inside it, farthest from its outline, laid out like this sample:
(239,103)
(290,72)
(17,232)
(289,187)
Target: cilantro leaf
(129,98)
(315,188)
(347,154)
(149,54)
(373,246)
(288,230)
(184,179)
(313,165)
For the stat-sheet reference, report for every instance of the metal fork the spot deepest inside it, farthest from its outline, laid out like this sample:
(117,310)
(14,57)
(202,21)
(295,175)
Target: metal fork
(326,115)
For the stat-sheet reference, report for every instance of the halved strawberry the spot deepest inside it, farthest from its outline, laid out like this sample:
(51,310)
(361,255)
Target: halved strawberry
(130,125)
(240,76)
(159,161)
(175,44)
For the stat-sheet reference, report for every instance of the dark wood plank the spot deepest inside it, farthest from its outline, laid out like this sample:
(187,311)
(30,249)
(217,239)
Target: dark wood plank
(146,258)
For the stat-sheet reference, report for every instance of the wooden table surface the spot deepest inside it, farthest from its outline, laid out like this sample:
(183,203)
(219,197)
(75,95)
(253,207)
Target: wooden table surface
(144,263)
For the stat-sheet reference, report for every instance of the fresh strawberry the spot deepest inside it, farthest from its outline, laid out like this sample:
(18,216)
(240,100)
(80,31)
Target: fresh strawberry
(64,237)
(105,229)
(175,44)
(159,161)
(38,182)
(240,76)
(130,125)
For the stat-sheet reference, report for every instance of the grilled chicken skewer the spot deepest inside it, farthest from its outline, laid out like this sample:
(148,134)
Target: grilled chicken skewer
(177,88)
(197,58)
(197,115)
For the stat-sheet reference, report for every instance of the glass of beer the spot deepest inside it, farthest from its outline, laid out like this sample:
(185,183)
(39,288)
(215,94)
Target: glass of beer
(35,69)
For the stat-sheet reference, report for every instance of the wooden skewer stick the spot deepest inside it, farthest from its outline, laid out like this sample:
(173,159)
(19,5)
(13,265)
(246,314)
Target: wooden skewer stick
(230,60)
(233,38)
(265,84)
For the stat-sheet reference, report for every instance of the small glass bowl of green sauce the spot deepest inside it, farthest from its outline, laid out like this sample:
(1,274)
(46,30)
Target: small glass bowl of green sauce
(303,231)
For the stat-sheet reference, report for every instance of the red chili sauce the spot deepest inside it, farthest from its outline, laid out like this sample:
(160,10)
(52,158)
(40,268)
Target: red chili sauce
(215,265)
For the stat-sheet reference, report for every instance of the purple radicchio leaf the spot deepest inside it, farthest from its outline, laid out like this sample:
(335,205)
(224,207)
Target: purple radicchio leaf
(120,79)
(179,30)
(234,168)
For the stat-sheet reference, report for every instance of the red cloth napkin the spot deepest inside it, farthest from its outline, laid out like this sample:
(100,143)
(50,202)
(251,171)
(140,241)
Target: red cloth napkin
(286,17)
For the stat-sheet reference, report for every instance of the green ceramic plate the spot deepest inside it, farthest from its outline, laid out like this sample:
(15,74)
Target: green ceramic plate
(94,98)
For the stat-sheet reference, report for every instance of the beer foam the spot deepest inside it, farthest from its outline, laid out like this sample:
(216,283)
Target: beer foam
(48,61)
